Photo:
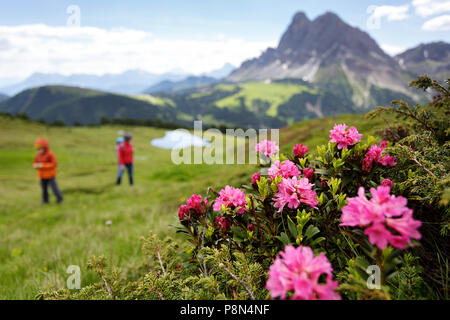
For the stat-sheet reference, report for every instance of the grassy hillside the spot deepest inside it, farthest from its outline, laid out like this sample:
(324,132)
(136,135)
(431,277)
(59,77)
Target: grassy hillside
(38,243)
(72,104)
(269,96)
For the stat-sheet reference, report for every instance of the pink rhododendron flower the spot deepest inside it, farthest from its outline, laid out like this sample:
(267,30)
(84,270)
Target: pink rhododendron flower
(267,147)
(378,235)
(195,202)
(297,271)
(387,183)
(388,161)
(407,227)
(287,169)
(381,214)
(308,173)
(231,198)
(292,192)
(374,156)
(183,212)
(300,150)
(343,137)
(256,177)
(194,205)
(222,223)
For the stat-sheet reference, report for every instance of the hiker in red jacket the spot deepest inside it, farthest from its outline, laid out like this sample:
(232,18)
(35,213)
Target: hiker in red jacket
(45,164)
(125,154)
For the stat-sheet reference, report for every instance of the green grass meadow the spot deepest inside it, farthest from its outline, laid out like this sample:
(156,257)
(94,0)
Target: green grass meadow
(38,242)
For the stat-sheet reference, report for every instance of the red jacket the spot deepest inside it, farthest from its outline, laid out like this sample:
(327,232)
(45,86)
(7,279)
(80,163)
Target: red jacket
(48,160)
(125,153)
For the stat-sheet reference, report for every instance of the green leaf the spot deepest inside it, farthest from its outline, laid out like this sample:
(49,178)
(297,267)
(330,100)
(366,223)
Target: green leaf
(292,228)
(284,238)
(311,231)
(317,241)
(238,233)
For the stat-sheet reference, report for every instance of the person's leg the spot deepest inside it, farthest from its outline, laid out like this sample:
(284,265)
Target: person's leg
(56,191)
(44,186)
(130,173)
(119,176)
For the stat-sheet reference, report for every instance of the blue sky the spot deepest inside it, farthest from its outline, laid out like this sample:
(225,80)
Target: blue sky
(196,36)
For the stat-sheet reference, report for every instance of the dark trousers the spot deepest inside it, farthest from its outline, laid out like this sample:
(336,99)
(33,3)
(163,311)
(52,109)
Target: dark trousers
(44,185)
(129,168)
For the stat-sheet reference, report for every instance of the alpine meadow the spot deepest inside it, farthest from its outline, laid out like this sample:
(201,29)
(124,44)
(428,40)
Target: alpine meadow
(337,187)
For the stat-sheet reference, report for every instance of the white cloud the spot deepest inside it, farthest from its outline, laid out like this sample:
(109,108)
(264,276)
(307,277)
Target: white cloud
(425,8)
(440,23)
(391,13)
(41,48)
(392,49)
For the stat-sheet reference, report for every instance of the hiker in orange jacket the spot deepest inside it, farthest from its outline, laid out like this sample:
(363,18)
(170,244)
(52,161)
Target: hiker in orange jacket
(45,163)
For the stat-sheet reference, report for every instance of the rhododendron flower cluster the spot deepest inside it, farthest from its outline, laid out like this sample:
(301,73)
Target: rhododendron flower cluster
(287,169)
(256,177)
(379,215)
(343,137)
(300,150)
(308,173)
(183,212)
(297,271)
(374,156)
(194,205)
(223,223)
(387,183)
(267,147)
(292,192)
(231,198)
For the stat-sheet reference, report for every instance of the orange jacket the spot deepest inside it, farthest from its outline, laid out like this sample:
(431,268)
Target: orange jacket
(48,160)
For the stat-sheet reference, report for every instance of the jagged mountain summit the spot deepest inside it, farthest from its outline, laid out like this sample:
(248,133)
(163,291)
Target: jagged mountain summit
(329,52)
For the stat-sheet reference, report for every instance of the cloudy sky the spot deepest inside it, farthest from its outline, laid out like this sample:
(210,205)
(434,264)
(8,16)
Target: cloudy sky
(99,36)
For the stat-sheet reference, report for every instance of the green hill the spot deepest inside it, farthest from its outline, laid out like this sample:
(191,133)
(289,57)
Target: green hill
(38,243)
(72,105)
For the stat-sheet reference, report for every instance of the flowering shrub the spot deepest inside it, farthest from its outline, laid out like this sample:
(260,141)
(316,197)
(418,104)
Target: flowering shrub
(318,203)
(310,202)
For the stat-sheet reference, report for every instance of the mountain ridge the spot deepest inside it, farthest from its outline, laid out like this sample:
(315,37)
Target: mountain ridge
(324,51)
(128,82)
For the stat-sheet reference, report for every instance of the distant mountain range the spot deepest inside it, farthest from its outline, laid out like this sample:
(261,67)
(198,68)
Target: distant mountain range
(3,97)
(320,68)
(177,86)
(432,59)
(129,82)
